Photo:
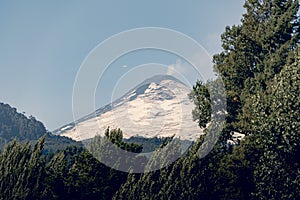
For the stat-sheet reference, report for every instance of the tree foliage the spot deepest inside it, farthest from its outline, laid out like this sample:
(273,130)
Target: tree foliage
(260,67)
(21,171)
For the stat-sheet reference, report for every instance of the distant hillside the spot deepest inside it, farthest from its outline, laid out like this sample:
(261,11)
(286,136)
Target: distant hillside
(14,125)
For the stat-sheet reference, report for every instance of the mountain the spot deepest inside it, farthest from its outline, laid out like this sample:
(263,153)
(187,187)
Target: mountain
(158,107)
(15,125)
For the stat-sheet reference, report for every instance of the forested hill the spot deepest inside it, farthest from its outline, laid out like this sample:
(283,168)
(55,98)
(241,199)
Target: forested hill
(14,125)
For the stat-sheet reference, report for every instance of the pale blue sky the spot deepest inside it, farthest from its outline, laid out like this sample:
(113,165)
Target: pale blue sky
(43,43)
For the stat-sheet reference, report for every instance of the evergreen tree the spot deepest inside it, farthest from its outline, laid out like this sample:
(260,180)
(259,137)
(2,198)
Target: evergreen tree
(114,152)
(255,51)
(277,172)
(22,171)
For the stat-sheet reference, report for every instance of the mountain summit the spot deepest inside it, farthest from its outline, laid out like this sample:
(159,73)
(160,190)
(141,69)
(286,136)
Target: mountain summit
(158,107)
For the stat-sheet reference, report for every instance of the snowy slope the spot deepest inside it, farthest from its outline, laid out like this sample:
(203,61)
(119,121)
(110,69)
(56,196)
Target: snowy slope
(157,107)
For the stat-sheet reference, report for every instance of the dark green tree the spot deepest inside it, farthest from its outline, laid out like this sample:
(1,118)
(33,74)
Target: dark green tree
(201,98)
(278,124)
(22,171)
(255,51)
(114,152)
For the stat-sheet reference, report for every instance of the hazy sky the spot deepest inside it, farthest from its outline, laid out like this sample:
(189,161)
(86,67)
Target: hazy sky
(43,44)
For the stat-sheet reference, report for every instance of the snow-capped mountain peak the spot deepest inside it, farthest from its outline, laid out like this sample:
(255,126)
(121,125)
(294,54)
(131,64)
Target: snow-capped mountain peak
(159,106)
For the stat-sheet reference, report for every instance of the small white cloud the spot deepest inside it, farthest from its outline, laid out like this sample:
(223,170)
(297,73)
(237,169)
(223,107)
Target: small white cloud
(124,66)
(198,67)
(177,68)
(171,70)
(182,69)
